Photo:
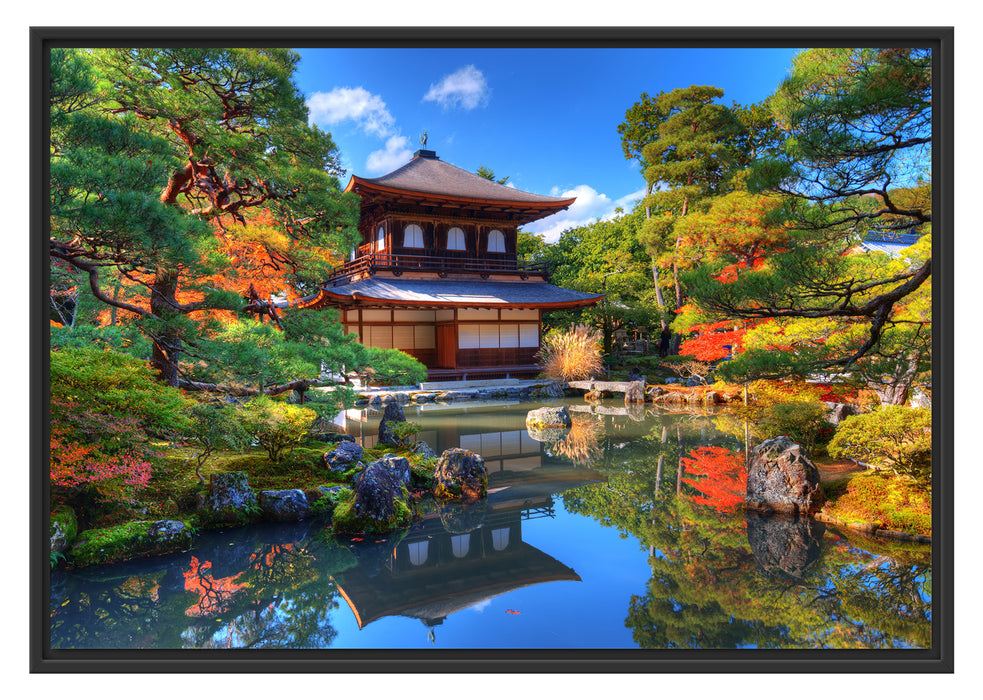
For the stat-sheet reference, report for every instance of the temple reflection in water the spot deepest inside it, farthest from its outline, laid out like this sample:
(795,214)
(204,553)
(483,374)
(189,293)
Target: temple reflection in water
(461,555)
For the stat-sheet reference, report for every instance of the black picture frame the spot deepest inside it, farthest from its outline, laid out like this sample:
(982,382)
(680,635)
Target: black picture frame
(937,659)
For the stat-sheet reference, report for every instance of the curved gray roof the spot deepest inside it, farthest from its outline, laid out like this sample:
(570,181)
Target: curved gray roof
(429,174)
(457,293)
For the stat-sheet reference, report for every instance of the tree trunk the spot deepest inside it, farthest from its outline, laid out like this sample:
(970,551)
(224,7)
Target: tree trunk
(167,342)
(895,391)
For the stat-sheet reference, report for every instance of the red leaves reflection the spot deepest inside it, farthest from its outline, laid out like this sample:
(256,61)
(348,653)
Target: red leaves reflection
(718,475)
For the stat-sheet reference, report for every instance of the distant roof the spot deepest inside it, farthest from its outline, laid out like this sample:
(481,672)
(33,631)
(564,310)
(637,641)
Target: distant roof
(890,242)
(906,237)
(428,174)
(450,293)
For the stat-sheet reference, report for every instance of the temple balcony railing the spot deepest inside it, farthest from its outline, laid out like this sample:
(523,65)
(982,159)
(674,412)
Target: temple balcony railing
(398,263)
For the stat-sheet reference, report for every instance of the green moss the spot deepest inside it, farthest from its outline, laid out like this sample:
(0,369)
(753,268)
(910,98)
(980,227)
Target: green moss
(345,520)
(122,542)
(327,504)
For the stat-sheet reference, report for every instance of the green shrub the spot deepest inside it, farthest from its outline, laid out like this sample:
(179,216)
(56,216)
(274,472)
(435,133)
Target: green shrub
(392,367)
(214,427)
(893,437)
(275,425)
(802,420)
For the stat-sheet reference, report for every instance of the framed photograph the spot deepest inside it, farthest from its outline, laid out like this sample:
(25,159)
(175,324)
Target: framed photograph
(492,350)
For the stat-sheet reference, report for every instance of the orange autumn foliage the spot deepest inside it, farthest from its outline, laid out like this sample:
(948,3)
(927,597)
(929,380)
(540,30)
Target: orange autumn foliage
(718,475)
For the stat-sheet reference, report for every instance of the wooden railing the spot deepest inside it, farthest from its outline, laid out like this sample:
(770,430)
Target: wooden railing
(399,263)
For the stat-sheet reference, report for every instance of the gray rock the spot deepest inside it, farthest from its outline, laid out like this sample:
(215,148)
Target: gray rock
(376,505)
(424,450)
(282,506)
(782,478)
(549,417)
(343,457)
(836,412)
(460,475)
(392,414)
(635,392)
(552,390)
(228,494)
(654,393)
(424,398)
(399,467)
(169,532)
(375,400)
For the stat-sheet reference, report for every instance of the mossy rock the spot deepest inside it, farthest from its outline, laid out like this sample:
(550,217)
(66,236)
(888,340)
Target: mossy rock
(378,505)
(347,518)
(461,475)
(549,417)
(131,540)
(62,528)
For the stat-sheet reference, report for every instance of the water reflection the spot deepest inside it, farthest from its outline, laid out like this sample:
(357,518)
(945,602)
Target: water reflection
(671,484)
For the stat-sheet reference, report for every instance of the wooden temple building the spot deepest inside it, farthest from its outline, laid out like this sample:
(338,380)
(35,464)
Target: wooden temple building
(437,274)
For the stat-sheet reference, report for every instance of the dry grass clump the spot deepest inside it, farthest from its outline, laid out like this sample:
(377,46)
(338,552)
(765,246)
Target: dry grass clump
(572,354)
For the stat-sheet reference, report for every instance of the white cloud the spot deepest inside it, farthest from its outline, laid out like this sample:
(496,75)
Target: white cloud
(479,607)
(465,88)
(357,104)
(395,154)
(590,206)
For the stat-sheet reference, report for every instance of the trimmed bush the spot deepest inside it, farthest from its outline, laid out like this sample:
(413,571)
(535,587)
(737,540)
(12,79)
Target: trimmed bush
(276,426)
(893,437)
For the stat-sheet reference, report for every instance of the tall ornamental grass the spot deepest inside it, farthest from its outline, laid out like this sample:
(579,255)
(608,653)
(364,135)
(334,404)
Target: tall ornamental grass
(572,354)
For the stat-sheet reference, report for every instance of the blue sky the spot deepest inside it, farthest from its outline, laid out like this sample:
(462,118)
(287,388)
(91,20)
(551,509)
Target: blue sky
(547,118)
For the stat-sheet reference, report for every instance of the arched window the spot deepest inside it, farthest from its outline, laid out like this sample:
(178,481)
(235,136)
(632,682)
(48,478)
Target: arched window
(500,539)
(455,239)
(418,552)
(412,236)
(460,544)
(496,241)
(380,239)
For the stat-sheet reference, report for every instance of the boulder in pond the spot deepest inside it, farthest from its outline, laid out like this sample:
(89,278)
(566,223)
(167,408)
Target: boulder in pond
(229,497)
(399,467)
(461,475)
(392,414)
(283,506)
(781,478)
(343,457)
(377,504)
(549,417)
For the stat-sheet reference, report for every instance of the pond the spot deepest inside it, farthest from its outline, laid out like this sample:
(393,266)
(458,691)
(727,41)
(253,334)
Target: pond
(625,533)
